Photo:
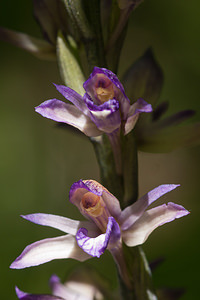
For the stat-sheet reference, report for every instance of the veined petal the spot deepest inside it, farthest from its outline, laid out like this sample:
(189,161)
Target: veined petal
(63,112)
(59,289)
(134,112)
(106,116)
(72,290)
(79,188)
(20,294)
(133,212)
(25,296)
(97,246)
(48,249)
(61,223)
(150,220)
(73,97)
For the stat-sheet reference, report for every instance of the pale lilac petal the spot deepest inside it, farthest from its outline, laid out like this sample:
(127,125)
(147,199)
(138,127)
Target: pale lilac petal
(25,296)
(73,97)
(79,188)
(150,220)
(20,294)
(61,223)
(71,290)
(48,249)
(97,246)
(134,112)
(63,112)
(106,116)
(133,212)
(58,289)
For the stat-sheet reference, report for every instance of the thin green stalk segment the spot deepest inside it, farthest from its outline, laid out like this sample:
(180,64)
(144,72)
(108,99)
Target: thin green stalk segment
(140,276)
(130,168)
(109,178)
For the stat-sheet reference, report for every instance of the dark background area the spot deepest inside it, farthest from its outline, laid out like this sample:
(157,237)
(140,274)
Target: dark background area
(39,162)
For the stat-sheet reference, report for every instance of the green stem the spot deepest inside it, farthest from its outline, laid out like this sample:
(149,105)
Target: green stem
(130,168)
(109,177)
(140,276)
(95,46)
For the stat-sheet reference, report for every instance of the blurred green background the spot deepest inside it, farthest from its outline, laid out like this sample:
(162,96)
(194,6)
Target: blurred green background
(39,162)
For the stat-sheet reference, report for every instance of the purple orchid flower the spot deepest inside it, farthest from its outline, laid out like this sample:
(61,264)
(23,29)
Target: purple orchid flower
(103,108)
(71,289)
(107,225)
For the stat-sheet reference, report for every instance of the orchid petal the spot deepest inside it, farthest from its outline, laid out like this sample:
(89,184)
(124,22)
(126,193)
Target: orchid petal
(134,112)
(73,97)
(20,294)
(25,296)
(59,289)
(106,116)
(48,249)
(72,290)
(150,220)
(61,223)
(97,246)
(133,212)
(63,112)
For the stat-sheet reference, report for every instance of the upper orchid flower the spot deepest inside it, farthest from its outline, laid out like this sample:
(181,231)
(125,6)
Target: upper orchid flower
(103,108)
(72,289)
(106,228)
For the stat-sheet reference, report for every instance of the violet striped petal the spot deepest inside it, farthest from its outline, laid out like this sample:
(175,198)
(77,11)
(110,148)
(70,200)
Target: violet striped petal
(150,220)
(49,249)
(61,223)
(133,212)
(25,296)
(73,97)
(106,116)
(67,113)
(135,109)
(97,246)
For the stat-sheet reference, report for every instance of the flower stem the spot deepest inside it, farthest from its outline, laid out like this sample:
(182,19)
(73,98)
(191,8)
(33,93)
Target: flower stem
(140,276)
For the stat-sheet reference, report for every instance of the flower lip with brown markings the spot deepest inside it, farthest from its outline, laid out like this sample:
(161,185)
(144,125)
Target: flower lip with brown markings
(94,207)
(89,200)
(104,88)
(92,204)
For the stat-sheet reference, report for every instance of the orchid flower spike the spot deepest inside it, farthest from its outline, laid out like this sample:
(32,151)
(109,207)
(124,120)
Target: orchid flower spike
(106,226)
(103,108)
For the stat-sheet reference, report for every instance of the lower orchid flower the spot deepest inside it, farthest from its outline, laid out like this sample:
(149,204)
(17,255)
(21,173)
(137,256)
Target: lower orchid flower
(71,289)
(107,225)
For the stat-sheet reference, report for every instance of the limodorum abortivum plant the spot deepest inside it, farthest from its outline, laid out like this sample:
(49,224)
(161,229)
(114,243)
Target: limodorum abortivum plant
(120,116)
